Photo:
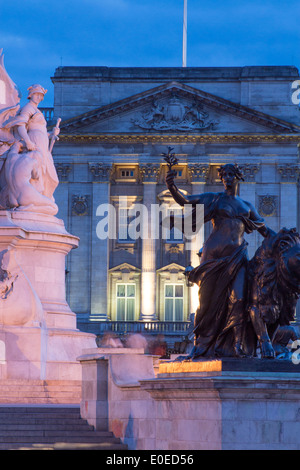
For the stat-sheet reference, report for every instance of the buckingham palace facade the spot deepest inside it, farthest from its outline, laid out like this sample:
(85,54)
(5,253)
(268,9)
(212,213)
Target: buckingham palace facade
(116,124)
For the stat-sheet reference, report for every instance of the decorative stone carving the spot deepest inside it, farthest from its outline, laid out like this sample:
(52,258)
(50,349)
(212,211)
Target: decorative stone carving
(149,172)
(267,205)
(19,303)
(63,170)
(28,177)
(249,171)
(174,115)
(199,172)
(100,172)
(80,205)
(289,172)
(174,248)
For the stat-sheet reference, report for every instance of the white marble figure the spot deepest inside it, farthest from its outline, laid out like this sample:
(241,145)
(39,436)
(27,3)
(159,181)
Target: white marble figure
(28,176)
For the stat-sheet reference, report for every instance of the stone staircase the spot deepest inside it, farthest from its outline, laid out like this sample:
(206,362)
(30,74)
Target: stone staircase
(51,427)
(18,391)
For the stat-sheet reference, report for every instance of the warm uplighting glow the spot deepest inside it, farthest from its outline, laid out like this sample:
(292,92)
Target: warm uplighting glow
(148,293)
(194,298)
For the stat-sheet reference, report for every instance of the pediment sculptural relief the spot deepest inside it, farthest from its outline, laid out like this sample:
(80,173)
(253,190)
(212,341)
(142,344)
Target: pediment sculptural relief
(174,115)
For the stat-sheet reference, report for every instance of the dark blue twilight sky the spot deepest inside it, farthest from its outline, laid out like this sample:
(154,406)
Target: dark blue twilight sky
(39,35)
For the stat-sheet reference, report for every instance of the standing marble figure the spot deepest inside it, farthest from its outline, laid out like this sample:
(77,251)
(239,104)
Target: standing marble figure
(221,319)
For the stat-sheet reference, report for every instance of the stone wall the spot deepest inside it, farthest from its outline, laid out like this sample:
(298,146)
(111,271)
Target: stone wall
(122,392)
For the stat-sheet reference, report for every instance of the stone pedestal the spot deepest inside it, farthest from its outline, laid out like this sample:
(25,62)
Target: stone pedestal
(205,405)
(38,335)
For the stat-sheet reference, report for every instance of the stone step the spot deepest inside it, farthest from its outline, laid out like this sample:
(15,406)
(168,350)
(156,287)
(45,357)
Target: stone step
(64,446)
(39,391)
(51,427)
(41,437)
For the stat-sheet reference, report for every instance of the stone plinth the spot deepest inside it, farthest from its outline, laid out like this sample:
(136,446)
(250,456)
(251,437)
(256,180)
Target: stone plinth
(103,368)
(223,407)
(38,334)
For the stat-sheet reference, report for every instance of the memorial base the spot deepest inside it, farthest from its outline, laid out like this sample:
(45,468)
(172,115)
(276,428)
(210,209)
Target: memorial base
(216,405)
(39,339)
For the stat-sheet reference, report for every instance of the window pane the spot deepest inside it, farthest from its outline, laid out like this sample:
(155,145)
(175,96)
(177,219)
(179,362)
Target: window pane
(178,309)
(121,290)
(179,291)
(123,227)
(130,291)
(177,234)
(120,309)
(169,309)
(130,309)
(169,291)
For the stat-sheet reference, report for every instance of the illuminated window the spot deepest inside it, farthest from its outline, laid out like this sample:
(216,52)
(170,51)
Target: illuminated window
(125,302)
(175,235)
(124,221)
(173,302)
(127,173)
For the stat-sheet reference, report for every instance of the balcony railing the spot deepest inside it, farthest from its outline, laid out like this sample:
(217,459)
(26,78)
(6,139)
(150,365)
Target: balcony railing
(151,327)
(48,114)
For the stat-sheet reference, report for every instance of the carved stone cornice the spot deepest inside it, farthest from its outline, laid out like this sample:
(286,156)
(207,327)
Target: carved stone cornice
(178,139)
(198,172)
(149,172)
(101,172)
(289,172)
(249,171)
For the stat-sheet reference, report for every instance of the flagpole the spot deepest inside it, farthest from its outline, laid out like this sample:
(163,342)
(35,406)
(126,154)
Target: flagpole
(184,41)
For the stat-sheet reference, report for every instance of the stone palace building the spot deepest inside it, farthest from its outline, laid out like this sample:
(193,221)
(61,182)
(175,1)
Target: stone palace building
(116,123)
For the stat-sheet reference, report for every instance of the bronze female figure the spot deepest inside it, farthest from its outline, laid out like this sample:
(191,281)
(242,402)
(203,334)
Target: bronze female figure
(221,318)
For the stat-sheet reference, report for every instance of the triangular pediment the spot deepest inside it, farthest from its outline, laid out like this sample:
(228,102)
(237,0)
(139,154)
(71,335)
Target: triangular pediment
(125,267)
(175,108)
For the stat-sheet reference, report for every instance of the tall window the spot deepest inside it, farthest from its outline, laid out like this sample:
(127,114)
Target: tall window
(124,220)
(175,235)
(125,302)
(174,302)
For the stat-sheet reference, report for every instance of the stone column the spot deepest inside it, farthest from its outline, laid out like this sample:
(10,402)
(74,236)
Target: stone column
(198,174)
(247,192)
(101,173)
(149,173)
(289,174)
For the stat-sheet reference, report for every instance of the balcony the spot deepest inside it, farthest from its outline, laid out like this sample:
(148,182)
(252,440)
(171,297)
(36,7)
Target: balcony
(48,114)
(170,332)
(151,327)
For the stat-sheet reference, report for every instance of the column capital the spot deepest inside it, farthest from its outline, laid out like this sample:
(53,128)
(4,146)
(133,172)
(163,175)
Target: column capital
(149,172)
(63,170)
(249,171)
(101,171)
(289,172)
(198,172)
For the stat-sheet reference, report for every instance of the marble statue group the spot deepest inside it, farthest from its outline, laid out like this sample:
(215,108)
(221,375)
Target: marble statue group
(28,176)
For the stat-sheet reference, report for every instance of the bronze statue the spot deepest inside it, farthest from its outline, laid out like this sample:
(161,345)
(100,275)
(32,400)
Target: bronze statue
(225,325)
(274,288)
